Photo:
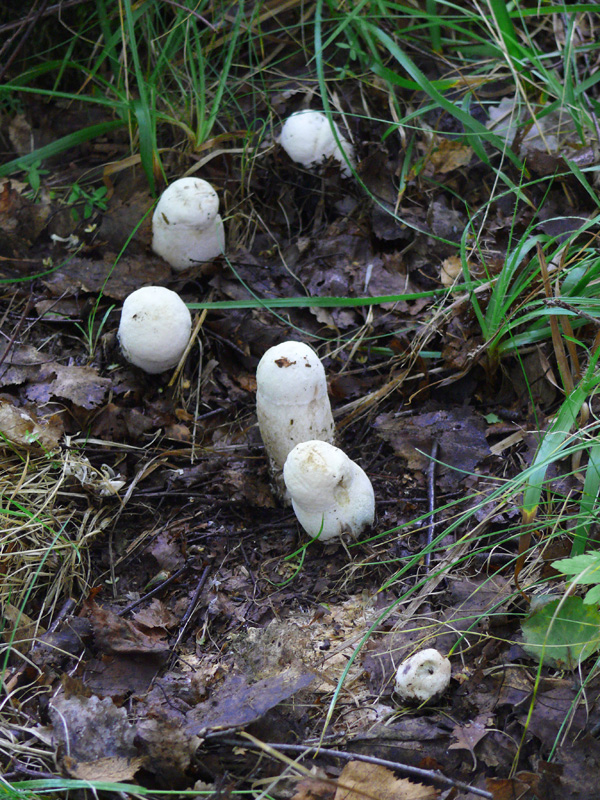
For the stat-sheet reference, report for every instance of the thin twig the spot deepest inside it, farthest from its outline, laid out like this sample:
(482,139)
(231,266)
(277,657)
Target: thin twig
(192,606)
(431,775)
(155,591)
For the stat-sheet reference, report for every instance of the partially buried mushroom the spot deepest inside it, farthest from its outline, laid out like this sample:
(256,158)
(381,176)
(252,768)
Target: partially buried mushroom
(186,226)
(155,328)
(308,138)
(330,493)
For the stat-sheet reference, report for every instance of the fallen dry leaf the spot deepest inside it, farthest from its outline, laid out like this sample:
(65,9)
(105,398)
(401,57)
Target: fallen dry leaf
(469,735)
(314,789)
(110,769)
(23,428)
(116,635)
(81,385)
(360,781)
(238,703)
(450,154)
(89,729)
(451,269)
(113,280)
(458,430)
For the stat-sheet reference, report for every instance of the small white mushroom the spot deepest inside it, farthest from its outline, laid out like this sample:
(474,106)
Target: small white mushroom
(424,676)
(307,137)
(330,494)
(186,225)
(292,405)
(155,328)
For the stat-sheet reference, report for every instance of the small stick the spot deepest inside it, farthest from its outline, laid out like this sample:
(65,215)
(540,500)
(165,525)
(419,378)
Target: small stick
(192,606)
(154,591)
(431,775)
(431,503)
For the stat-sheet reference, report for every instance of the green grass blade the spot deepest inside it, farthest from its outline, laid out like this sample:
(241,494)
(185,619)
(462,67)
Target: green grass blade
(471,125)
(589,499)
(315,302)
(551,448)
(60,146)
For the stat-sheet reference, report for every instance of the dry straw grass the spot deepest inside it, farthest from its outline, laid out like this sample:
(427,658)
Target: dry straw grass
(47,523)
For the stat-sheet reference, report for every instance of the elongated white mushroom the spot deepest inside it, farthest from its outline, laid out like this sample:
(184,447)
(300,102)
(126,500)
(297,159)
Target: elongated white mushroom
(330,493)
(308,139)
(292,405)
(186,225)
(155,328)
(423,677)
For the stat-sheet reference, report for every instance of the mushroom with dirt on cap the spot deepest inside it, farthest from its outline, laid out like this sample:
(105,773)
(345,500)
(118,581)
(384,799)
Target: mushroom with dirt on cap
(292,404)
(308,138)
(424,676)
(155,328)
(330,493)
(186,225)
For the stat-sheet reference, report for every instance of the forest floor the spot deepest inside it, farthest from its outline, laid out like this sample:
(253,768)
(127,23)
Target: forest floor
(165,624)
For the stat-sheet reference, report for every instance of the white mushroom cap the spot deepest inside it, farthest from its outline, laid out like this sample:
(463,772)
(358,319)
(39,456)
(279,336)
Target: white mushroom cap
(330,494)
(155,328)
(423,677)
(307,138)
(292,405)
(186,225)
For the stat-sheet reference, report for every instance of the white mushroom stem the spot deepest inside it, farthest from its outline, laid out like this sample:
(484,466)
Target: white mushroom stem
(292,405)
(423,677)
(330,493)
(307,137)
(155,328)
(186,226)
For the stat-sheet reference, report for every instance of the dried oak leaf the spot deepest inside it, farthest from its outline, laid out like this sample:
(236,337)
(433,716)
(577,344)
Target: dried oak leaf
(92,730)
(156,615)
(361,781)
(81,385)
(468,736)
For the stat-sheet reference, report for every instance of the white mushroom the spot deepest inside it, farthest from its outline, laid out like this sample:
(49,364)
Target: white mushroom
(424,676)
(330,494)
(307,137)
(155,328)
(292,405)
(186,225)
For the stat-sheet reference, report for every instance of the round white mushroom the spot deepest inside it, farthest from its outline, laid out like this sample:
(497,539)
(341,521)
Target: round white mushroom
(292,405)
(186,225)
(330,493)
(155,328)
(423,677)
(307,137)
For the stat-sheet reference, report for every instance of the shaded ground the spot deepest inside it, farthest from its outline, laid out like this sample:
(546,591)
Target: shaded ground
(172,613)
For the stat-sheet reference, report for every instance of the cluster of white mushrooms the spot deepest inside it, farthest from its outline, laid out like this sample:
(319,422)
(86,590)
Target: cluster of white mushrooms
(330,494)
(187,229)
